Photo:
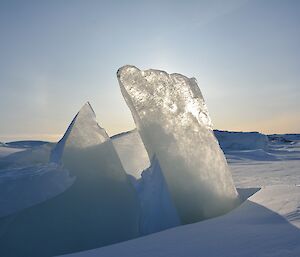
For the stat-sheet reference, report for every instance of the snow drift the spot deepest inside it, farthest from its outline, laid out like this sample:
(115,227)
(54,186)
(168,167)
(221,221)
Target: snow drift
(25,186)
(174,124)
(260,227)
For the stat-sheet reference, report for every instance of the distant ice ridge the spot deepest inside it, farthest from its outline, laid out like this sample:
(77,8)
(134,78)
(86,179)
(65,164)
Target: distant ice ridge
(28,156)
(242,140)
(174,124)
(100,208)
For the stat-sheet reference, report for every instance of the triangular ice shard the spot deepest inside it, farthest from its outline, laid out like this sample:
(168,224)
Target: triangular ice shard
(84,131)
(157,209)
(174,124)
(100,208)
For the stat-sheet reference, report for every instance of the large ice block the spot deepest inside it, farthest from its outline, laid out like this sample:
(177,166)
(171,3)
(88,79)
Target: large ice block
(174,124)
(100,208)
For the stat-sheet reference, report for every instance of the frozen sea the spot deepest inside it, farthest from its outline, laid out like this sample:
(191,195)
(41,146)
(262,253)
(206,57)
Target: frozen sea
(267,223)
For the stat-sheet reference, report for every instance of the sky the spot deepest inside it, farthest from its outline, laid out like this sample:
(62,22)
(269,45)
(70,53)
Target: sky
(57,55)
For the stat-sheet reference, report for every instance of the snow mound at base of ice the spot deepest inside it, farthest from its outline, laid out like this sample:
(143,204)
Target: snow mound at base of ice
(258,227)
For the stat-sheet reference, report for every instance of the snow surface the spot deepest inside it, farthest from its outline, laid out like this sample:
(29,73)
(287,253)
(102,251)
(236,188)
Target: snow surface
(256,228)
(5,150)
(18,146)
(172,119)
(22,187)
(284,170)
(27,178)
(29,156)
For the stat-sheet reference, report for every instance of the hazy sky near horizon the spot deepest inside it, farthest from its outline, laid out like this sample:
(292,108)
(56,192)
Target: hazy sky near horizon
(56,55)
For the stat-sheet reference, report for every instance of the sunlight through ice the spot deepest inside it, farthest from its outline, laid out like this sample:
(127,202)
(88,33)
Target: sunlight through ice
(174,124)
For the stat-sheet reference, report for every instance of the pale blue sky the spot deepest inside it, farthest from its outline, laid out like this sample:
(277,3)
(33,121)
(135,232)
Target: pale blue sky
(56,55)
